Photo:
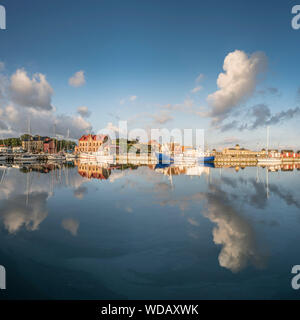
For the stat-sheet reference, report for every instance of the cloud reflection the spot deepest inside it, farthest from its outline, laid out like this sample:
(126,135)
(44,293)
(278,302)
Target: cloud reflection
(23,210)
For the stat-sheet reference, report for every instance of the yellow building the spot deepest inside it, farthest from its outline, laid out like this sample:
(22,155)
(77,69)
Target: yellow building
(237,151)
(90,143)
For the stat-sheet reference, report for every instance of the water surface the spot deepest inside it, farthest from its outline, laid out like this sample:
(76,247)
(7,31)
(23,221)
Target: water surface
(86,232)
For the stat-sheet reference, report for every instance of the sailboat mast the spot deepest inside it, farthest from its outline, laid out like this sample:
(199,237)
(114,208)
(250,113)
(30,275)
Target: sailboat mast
(268,138)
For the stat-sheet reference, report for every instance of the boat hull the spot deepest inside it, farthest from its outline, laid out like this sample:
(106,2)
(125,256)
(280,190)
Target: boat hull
(206,159)
(164,158)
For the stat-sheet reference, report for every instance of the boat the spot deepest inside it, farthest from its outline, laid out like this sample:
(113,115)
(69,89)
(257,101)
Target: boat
(3,157)
(26,158)
(164,158)
(205,157)
(56,157)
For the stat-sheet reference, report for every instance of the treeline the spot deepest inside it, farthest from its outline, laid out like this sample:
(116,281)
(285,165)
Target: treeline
(11,142)
(17,142)
(64,145)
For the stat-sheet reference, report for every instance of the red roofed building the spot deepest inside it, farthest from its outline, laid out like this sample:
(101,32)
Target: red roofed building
(49,146)
(91,142)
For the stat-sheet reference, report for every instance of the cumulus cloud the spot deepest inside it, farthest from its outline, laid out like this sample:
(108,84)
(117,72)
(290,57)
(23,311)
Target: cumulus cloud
(35,93)
(78,79)
(71,225)
(43,123)
(236,83)
(84,111)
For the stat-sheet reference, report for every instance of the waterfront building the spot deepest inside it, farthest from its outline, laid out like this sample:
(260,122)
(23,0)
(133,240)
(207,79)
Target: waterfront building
(288,154)
(49,146)
(237,151)
(34,144)
(90,143)
(5,149)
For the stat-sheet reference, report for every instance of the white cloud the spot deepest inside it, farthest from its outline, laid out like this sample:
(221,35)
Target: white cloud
(84,111)
(35,93)
(162,117)
(43,122)
(133,98)
(237,83)
(196,89)
(2,65)
(200,77)
(78,79)
(122,101)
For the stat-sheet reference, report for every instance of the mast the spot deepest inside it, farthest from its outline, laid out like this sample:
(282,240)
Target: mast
(268,138)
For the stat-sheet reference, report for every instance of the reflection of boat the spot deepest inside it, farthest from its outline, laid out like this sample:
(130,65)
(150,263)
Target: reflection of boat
(164,158)
(87,156)
(70,156)
(269,161)
(104,157)
(161,165)
(26,158)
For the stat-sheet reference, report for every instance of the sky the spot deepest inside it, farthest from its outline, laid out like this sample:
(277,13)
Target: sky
(229,67)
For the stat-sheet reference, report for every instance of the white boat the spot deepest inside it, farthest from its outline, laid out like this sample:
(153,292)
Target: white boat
(56,157)
(26,158)
(3,157)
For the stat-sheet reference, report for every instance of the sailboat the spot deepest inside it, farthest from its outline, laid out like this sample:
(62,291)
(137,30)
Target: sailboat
(272,158)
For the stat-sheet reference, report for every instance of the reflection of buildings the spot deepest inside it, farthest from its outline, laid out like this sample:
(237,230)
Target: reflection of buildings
(93,171)
(182,170)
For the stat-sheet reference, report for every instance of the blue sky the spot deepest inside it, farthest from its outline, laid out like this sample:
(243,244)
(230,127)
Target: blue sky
(155,50)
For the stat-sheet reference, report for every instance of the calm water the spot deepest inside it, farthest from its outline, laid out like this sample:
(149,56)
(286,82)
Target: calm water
(141,233)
